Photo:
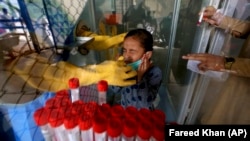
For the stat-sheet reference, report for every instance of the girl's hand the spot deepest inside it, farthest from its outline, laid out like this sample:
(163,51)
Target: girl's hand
(144,66)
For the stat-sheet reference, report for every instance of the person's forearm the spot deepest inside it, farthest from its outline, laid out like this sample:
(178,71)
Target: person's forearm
(236,27)
(242,67)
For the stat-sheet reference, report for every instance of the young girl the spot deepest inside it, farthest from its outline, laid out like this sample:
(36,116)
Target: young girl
(137,52)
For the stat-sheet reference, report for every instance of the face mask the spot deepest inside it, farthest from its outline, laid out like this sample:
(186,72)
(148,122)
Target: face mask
(135,65)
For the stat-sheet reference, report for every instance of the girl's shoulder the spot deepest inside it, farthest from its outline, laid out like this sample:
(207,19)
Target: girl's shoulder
(155,69)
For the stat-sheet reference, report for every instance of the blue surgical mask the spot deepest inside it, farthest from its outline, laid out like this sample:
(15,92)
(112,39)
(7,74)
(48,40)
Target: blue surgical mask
(135,64)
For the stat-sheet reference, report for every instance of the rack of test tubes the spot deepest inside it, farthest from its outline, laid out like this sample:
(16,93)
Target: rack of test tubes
(67,117)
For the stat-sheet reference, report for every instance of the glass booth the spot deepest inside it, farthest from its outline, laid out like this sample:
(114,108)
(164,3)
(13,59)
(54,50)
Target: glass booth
(173,24)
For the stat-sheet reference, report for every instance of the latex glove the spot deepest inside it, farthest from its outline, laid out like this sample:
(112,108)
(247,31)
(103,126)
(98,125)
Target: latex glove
(117,73)
(54,77)
(101,42)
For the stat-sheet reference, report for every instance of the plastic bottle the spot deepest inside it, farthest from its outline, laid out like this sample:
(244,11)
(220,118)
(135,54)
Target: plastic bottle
(74,89)
(41,117)
(86,127)
(72,129)
(114,129)
(102,88)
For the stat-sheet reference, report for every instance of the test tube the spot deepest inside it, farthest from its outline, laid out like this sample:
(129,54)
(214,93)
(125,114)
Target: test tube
(144,114)
(77,107)
(41,117)
(114,129)
(90,108)
(144,131)
(86,127)
(51,103)
(100,127)
(130,112)
(200,17)
(129,129)
(72,131)
(74,89)
(62,93)
(158,132)
(102,88)
(56,123)
(117,111)
(158,116)
(104,110)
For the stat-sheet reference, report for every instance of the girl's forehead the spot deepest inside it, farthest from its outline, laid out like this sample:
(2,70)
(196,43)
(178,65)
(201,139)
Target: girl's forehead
(131,42)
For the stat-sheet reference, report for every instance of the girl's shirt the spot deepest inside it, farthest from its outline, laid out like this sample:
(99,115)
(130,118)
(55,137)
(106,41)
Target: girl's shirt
(142,94)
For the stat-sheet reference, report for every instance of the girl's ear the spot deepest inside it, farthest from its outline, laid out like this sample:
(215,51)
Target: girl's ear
(149,54)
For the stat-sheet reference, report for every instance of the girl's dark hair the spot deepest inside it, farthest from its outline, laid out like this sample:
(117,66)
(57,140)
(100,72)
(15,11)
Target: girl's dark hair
(143,36)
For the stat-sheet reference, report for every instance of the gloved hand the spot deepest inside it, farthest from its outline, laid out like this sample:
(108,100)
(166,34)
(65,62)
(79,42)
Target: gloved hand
(55,77)
(117,73)
(101,42)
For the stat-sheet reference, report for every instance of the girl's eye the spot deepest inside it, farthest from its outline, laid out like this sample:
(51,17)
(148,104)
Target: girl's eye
(132,52)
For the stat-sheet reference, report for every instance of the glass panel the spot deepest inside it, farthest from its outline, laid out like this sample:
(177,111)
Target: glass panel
(180,79)
(227,102)
(155,16)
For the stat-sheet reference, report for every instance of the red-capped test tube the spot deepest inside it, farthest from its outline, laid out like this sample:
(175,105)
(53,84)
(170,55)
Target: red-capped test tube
(129,129)
(114,129)
(74,89)
(100,123)
(117,111)
(72,128)
(86,127)
(41,117)
(158,133)
(102,88)
(159,120)
(62,94)
(144,130)
(56,124)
